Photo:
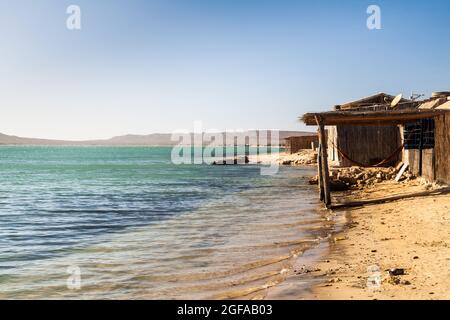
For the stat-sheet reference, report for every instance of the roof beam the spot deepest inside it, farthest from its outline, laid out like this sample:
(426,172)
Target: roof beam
(365,118)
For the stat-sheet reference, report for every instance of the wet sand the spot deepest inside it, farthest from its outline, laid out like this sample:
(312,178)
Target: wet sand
(234,245)
(411,234)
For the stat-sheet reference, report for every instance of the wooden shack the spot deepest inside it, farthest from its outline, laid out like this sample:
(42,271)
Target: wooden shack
(365,145)
(296,143)
(427,157)
(427,141)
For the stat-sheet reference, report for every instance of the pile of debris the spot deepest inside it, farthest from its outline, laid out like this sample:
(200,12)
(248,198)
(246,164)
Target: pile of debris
(302,158)
(358,178)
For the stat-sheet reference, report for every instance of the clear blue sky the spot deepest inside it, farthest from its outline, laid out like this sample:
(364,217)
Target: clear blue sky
(156,66)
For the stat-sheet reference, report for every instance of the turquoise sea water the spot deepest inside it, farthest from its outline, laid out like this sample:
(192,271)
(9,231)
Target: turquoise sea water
(137,226)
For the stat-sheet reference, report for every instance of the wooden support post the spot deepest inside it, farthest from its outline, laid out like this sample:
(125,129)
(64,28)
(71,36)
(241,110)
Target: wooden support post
(320,174)
(421,148)
(324,161)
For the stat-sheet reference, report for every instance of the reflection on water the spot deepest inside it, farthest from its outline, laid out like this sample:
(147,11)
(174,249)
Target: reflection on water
(139,227)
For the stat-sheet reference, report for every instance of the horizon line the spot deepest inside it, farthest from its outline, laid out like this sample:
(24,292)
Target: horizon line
(142,135)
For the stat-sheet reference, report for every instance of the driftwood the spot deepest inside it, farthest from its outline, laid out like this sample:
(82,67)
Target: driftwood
(360,203)
(401,172)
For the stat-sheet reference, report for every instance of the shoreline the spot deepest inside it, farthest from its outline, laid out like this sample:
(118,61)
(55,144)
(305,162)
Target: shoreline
(394,250)
(304,158)
(231,251)
(305,276)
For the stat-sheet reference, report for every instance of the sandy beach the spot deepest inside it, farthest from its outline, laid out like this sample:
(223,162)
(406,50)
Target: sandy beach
(410,237)
(302,158)
(392,250)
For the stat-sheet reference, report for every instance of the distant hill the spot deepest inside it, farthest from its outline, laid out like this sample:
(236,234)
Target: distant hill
(156,139)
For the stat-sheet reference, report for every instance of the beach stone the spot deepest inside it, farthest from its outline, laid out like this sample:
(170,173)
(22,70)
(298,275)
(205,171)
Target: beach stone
(394,280)
(304,269)
(314,180)
(397,272)
(349,180)
(338,185)
(359,176)
(355,170)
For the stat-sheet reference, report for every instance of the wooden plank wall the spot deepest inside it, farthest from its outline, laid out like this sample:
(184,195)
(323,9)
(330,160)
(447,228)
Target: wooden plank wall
(428,169)
(333,155)
(412,157)
(295,144)
(442,148)
(368,144)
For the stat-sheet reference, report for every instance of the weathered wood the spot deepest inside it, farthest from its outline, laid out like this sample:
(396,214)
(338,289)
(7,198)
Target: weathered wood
(324,161)
(360,203)
(428,167)
(320,173)
(390,117)
(295,144)
(442,150)
(401,172)
(367,145)
(421,150)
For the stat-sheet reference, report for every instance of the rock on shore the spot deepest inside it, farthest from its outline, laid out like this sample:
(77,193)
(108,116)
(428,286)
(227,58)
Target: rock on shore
(302,158)
(358,177)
